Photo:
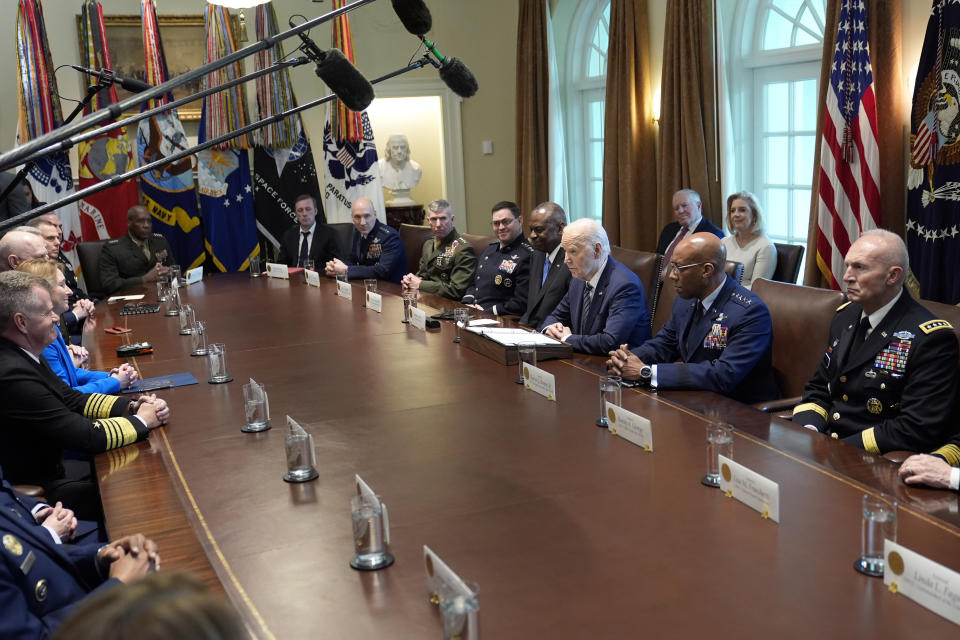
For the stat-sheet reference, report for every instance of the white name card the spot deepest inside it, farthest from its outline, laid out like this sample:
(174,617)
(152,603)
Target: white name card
(538,380)
(344,290)
(630,427)
(438,572)
(418,318)
(194,275)
(928,583)
(313,278)
(363,489)
(275,270)
(749,487)
(374,301)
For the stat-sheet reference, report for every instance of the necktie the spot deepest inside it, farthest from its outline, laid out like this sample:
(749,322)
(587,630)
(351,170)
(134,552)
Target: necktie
(860,336)
(546,269)
(304,249)
(673,245)
(585,307)
(694,321)
(146,250)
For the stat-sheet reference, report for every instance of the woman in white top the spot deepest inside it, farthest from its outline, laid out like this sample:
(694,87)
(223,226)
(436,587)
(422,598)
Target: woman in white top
(746,243)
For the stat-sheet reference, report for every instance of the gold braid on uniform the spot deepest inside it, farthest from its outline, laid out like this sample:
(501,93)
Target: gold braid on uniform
(118,431)
(869,439)
(950,453)
(99,405)
(810,406)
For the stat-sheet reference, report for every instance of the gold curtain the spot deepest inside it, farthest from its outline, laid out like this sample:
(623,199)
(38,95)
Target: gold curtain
(533,106)
(883,18)
(688,156)
(629,150)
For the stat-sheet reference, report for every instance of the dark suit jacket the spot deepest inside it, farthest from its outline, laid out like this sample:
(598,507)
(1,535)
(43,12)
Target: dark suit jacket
(122,262)
(323,248)
(670,232)
(543,298)
(618,313)
(16,203)
(727,351)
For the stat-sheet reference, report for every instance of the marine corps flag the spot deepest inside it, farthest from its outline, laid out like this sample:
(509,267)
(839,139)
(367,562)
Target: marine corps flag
(168,191)
(933,180)
(105,212)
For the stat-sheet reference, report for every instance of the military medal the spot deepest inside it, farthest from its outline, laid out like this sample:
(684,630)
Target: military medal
(498,279)
(12,544)
(874,406)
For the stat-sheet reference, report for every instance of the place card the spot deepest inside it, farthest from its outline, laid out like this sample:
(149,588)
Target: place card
(538,380)
(750,488)
(418,318)
(928,583)
(374,301)
(438,572)
(630,427)
(275,270)
(313,278)
(344,290)
(113,299)
(364,489)
(194,275)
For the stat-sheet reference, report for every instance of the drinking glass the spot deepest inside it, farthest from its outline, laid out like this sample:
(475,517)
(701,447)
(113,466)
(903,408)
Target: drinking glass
(526,355)
(719,443)
(610,390)
(878,523)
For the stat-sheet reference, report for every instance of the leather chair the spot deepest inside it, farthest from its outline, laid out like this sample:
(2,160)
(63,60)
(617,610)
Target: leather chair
(344,236)
(667,294)
(947,312)
(801,319)
(734,270)
(413,236)
(789,257)
(89,255)
(647,267)
(479,242)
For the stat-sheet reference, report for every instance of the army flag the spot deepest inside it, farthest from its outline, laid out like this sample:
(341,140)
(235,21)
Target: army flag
(349,153)
(168,189)
(933,176)
(109,154)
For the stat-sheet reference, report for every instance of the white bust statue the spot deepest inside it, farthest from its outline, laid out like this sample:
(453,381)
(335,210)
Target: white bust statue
(399,173)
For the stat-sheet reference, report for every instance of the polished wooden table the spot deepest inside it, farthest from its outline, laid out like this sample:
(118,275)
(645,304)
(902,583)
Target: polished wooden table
(570,531)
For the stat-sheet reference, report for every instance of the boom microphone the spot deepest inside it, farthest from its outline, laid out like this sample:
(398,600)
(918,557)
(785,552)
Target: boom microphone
(454,73)
(339,75)
(414,15)
(106,76)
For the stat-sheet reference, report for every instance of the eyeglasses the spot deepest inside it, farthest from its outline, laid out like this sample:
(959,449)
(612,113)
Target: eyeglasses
(503,223)
(673,266)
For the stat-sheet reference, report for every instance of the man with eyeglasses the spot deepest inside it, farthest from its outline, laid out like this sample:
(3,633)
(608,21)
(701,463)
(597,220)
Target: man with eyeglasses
(503,269)
(447,261)
(718,337)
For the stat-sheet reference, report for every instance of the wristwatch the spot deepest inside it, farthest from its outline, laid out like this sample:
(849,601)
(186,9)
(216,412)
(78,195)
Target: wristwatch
(646,373)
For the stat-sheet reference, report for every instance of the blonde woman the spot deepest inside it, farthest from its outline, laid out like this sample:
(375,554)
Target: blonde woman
(746,243)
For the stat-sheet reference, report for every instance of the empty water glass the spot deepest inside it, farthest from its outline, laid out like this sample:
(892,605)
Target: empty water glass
(461,316)
(526,357)
(186,319)
(217,360)
(370,533)
(198,337)
(255,267)
(719,443)
(256,407)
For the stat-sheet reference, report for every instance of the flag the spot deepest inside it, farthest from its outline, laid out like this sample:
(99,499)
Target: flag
(933,176)
(109,154)
(849,198)
(39,112)
(168,190)
(283,166)
(349,152)
(226,195)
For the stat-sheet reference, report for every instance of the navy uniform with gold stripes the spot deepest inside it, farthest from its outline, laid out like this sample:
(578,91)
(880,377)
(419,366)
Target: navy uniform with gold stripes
(895,391)
(502,278)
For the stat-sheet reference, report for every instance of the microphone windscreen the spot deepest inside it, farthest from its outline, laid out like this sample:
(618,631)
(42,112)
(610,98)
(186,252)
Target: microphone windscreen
(414,15)
(460,79)
(132,84)
(345,80)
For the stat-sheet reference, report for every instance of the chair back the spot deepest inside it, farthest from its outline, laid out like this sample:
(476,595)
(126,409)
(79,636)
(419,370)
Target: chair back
(413,236)
(344,236)
(89,255)
(947,312)
(734,270)
(479,242)
(663,306)
(647,267)
(789,257)
(801,319)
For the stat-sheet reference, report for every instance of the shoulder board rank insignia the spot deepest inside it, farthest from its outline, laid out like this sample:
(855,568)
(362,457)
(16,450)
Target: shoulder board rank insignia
(930,326)
(843,305)
(904,335)
(12,545)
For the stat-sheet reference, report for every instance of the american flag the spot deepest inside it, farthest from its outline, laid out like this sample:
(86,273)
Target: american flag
(849,199)
(925,145)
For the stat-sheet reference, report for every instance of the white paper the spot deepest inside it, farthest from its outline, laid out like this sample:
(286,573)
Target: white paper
(344,290)
(483,322)
(630,426)
(313,278)
(750,488)
(374,302)
(928,583)
(540,381)
(194,275)
(443,573)
(418,318)
(112,299)
(275,270)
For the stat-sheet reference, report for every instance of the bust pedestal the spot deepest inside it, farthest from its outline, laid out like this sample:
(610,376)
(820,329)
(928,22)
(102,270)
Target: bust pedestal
(398,214)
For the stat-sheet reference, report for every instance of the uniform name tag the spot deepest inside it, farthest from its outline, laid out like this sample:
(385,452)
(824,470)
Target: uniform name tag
(27,563)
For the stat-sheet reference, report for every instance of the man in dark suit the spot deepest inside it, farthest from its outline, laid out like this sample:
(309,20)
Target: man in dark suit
(139,257)
(719,331)
(15,203)
(310,240)
(503,268)
(376,250)
(688,210)
(605,304)
(888,380)
(549,276)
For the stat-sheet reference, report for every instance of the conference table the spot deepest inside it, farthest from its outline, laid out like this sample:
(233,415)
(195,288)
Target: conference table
(569,531)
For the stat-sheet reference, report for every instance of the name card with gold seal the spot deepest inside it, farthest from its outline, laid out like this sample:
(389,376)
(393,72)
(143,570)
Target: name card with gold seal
(418,318)
(749,487)
(344,290)
(275,270)
(928,583)
(194,275)
(312,277)
(538,380)
(630,427)
(439,573)
(374,302)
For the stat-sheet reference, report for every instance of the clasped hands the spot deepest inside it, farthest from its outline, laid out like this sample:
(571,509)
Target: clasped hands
(625,364)
(151,409)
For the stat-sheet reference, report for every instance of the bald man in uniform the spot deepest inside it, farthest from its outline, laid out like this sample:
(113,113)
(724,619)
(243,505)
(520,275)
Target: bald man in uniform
(139,257)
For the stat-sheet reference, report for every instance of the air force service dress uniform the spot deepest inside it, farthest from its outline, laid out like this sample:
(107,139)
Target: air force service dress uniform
(502,278)
(380,255)
(447,269)
(894,391)
(123,262)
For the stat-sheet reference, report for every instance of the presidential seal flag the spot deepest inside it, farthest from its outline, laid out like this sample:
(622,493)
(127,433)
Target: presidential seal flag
(933,178)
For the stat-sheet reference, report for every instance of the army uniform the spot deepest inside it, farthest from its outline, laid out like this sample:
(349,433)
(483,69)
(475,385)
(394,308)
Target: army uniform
(502,278)
(895,390)
(380,255)
(123,263)
(446,270)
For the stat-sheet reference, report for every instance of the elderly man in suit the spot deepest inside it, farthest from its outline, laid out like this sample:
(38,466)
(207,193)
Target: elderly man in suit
(688,211)
(549,275)
(605,304)
(139,257)
(310,240)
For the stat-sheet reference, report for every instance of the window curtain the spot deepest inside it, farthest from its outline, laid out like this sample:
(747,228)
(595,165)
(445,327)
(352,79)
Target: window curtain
(688,156)
(533,105)
(628,147)
(557,145)
(883,18)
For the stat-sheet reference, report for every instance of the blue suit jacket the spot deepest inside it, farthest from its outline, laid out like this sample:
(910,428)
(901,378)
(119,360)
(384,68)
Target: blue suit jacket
(380,256)
(727,351)
(618,313)
(59,359)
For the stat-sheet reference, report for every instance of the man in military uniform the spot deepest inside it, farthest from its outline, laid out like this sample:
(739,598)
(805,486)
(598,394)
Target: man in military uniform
(139,257)
(447,262)
(69,273)
(503,269)
(376,250)
(888,380)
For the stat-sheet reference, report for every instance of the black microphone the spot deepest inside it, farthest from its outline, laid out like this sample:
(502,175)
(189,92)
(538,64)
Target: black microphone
(414,15)
(339,74)
(106,76)
(454,73)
